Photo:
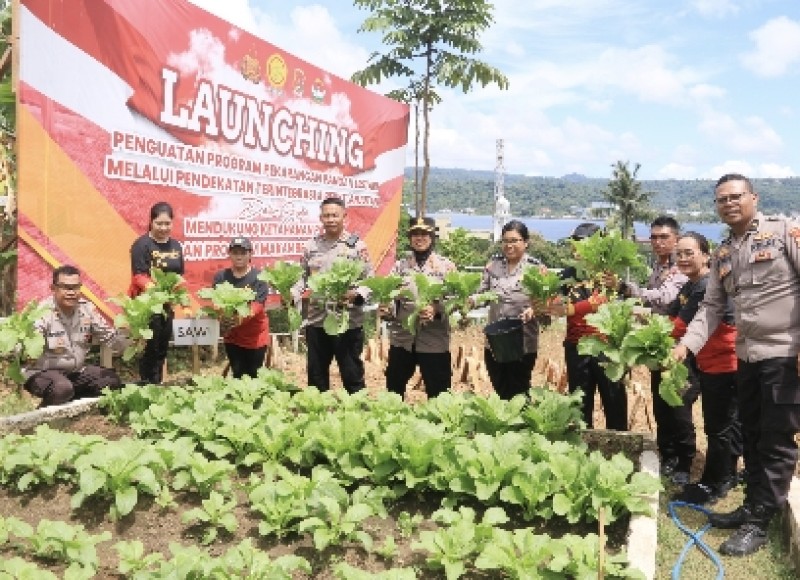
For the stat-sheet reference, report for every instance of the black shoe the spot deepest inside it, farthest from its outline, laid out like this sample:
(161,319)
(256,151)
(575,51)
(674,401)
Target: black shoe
(727,484)
(697,494)
(731,520)
(744,541)
(668,465)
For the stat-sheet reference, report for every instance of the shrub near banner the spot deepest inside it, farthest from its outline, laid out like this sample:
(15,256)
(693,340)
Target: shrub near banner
(172,103)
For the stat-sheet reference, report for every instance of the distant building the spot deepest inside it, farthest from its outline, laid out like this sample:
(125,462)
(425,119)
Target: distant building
(599,209)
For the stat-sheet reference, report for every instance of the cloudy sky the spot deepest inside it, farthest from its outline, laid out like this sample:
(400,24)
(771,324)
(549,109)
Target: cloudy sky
(687,88)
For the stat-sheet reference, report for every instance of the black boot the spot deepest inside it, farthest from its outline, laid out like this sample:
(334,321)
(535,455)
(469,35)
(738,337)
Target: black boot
(751,535)
(731,520)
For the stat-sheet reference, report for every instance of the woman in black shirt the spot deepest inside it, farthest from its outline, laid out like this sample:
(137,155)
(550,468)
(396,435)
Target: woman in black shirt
(155,249)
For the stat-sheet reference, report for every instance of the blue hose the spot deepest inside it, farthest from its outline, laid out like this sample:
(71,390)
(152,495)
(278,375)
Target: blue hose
(694,540)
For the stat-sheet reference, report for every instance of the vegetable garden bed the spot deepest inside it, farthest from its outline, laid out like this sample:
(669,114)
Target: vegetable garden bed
(318,484)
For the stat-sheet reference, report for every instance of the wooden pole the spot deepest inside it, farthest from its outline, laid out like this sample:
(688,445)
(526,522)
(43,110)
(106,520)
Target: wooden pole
(601,548)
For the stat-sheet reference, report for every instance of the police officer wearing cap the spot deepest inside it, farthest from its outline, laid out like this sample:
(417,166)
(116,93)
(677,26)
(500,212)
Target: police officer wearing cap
(429,346)
(246,339)
(585,372)
(758,266)
(503,275)
(318,256)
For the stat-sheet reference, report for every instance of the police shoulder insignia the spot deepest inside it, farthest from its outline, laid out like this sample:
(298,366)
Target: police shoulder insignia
(795,233)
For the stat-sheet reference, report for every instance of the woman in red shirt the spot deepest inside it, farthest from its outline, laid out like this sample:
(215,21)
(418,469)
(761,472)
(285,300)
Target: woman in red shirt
(715,368)
(246,339)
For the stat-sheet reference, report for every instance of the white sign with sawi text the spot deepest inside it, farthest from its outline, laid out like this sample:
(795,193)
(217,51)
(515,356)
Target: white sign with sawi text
(199,331)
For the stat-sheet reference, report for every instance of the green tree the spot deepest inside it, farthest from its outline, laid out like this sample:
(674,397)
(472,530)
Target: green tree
(8,165)
(430,43)
(403,244)
(625,192)
(464,249)
(552,254)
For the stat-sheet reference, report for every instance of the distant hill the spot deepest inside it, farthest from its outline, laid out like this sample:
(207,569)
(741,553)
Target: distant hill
(456,189)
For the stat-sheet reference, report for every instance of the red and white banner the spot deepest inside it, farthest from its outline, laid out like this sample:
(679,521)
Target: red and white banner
(124,103)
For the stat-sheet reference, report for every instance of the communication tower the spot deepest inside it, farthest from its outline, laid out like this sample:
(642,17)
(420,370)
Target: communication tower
(502,207)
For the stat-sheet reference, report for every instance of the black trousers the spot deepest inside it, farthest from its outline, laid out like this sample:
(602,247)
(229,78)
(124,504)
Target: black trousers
(511,378)
(435,368)
(675,434)
(151,363)
(721,424)
(584,373)
(345,348)
(245,361)
(769,409)
(59,387)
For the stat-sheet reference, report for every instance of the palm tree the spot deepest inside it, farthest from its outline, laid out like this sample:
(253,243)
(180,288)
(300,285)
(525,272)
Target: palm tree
(625,192)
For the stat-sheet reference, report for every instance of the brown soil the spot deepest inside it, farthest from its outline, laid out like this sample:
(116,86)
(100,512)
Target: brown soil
(157,527)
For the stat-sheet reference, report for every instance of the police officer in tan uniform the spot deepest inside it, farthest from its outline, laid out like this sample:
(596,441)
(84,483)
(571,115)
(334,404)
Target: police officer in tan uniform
(429,346)
(675,432)
(69,327)
(758,266)
(319,255)
(503,275)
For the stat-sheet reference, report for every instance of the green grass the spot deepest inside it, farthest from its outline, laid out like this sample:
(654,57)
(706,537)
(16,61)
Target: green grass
(770,562)
(12,402)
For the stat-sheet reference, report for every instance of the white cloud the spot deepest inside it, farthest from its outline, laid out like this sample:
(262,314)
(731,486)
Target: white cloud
(747,135)
(730,166)
(649,73)
(603,105)
(312,34)
(677,171)
(775,170)
(705,92)
(777,48)
(715,8)
(237,12)
(761,170)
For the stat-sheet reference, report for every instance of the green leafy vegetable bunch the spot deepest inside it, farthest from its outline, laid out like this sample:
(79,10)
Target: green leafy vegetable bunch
(626,343)
(135,316)
(606,253)
(19,339)
(383,288)
(329,288)
(228,300)
(283,276)
(460,289)
(423,293)
(541,284)
(171,284)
